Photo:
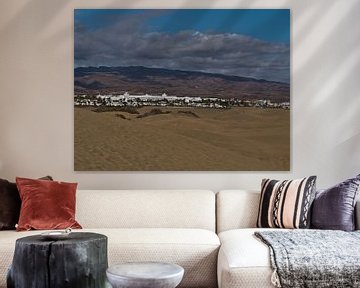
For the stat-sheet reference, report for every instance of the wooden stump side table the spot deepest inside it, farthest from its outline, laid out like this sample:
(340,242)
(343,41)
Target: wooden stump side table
(78,261)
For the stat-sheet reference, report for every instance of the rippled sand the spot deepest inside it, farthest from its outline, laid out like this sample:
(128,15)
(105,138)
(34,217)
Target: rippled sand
(238,139)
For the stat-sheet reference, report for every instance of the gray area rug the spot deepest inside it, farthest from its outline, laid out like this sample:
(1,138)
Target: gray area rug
(314,258)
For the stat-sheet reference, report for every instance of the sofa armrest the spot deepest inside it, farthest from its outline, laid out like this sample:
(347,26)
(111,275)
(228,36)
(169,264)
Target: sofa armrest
(357,215)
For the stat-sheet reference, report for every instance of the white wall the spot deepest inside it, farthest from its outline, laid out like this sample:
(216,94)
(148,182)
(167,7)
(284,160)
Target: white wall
(36,90)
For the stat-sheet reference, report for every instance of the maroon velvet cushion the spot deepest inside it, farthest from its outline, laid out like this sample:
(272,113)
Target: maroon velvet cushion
(46,204)
(334,208)
(10,204)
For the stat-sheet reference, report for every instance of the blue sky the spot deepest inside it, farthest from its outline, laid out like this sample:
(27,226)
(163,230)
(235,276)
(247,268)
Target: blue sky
(266,24)
(243,42)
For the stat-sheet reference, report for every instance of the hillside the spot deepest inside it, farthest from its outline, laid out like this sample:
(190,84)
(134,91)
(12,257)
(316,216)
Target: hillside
(156,81)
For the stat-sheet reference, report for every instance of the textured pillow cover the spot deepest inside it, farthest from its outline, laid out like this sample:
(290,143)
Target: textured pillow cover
(334,208)
(46,204)
(286,204)
(10,204)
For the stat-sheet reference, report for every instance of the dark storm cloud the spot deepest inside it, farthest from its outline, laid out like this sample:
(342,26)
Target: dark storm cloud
(128,43)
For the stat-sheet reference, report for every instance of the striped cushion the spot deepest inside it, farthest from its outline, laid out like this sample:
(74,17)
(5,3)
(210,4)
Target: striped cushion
(286,204)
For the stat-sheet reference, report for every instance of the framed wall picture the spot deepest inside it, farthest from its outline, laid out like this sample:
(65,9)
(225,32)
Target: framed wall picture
(182,90)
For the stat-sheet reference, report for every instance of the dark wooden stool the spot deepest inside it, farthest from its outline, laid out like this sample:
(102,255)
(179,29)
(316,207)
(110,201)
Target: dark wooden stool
(80,261)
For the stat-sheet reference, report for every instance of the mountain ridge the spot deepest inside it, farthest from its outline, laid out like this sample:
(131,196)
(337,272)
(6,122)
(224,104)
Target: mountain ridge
(145,80)
(210,74)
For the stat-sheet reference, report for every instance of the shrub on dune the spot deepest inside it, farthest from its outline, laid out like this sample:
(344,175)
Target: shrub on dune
(152,112)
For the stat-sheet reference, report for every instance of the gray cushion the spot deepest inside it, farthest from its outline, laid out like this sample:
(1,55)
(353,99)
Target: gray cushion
(334,208)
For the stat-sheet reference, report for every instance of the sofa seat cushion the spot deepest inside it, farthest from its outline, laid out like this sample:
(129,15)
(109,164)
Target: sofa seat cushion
(244,261)
(194,249)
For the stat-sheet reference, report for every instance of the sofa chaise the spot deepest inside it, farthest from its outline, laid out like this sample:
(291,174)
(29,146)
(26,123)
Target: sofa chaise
(243,261)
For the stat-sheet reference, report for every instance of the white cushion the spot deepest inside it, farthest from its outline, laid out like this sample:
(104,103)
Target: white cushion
(146,209)
(244,261)
(236,209)
(194,249)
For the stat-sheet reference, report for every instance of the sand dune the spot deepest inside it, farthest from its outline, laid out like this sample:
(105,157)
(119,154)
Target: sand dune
(237,139)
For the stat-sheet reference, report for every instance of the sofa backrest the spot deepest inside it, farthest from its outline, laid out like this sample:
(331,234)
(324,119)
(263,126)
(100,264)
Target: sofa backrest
(239,209)
(146,209)
(236,209)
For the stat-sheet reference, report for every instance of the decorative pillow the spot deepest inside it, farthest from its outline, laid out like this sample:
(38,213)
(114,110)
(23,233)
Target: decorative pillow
(46,204)
(334,208)
(286,204)
(10,204)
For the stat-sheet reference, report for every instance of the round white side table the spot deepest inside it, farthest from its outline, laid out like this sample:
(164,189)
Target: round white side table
(145,275)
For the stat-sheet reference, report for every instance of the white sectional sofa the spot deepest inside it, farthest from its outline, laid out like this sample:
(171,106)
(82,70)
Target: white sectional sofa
(177,226)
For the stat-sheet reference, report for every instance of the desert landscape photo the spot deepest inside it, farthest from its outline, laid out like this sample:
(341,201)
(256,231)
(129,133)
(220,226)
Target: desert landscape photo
(154,93)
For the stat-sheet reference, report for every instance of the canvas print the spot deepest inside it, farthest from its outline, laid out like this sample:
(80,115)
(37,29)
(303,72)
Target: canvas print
(182,90)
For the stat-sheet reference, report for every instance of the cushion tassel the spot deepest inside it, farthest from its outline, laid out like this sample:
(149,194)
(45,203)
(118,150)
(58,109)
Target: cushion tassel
(275,280)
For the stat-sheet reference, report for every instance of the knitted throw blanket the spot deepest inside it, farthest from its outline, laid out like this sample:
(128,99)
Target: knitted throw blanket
(313,258)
